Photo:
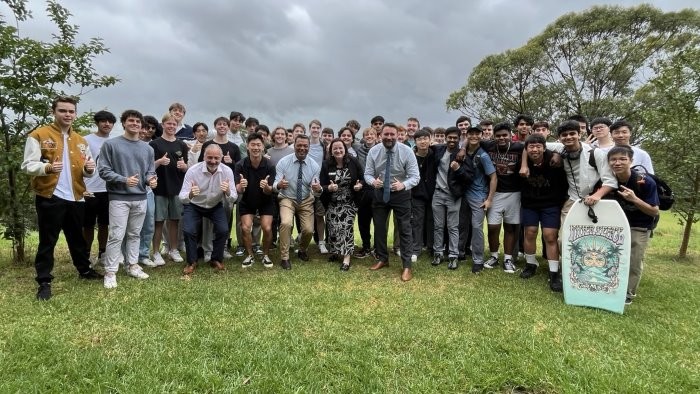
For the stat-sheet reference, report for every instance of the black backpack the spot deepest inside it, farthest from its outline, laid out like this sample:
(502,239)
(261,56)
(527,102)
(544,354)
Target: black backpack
(666,197)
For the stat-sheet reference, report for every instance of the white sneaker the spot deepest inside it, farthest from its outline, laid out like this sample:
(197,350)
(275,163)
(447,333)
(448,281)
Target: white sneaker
(136,271)
(267,263)
(110,280)
(158,259)
(175,256)
(148,262)
(414,258)
(227,255)
(207,256)
(322,247)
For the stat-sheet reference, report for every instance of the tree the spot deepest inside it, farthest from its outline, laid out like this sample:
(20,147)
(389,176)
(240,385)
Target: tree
(671,102)
(32,73)
(587,63)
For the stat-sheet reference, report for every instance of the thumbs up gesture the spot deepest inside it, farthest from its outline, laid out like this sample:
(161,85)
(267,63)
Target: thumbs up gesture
(196,147)
(264,184)
(194,190)
(283,183)
(396,185)
(89,165)
(181,165)
(225,186)
(57,165)
(227,158)
(316,186)
(454,165)
(332,187)
(358,186)
(243,182)
(164,161)
(132,180)
(378,183)
(153,182)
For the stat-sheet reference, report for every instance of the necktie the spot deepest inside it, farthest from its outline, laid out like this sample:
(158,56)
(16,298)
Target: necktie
(299,184)
(387,177)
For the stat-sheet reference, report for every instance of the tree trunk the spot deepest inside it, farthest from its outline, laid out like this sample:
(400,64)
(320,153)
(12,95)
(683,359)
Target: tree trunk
(683,252)
(16,230)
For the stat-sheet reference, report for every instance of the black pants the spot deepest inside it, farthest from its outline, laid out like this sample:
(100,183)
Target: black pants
(465,227)
(400,203)
(364,217)
(422,225)
(55,214)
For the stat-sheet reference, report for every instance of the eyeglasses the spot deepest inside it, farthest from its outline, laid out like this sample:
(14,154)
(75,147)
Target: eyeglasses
(592,215)
(599,127)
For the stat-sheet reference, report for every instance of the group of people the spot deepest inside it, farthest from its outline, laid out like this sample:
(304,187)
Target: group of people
(192,189)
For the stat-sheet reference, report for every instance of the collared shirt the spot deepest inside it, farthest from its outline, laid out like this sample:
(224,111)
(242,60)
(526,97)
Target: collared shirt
(580,175)
(288,167)
(209,185)
(404,166)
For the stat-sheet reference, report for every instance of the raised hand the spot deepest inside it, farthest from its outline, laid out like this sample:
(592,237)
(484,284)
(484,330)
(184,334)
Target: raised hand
(153,182)
(283,183)
(378,183)
(396,185)
(89,165)
(57,166)
(316,186)
(227,158)
(454,165)
(181,165)
(164,161)
(225,186)
(264,183)
(196,147)
(358,186)
(194,190)
(243,182)
(332,187)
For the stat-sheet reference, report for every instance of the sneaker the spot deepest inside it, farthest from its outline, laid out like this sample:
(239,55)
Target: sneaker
(267,263)
(248,261)
(476,268)
(628,300)
(362,253)
(492,262)
(555,282)
(414,258)
(257,250)
(240,251)
(110,281)
(322,247)
(437,260)
(227,255)
(158,259)
(44,292)
(147,262)
(397,251)
(90,274)
(135,271)
(529,271)
(207,256)
(508,266)
(175,256)
(452,265)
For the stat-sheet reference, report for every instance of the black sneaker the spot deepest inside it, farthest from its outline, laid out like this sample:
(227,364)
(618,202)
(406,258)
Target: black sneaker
(361,254)
(437,260)
(529,271)
(628,300)
(452,265)
(555,282)
(492,262)
(44,292)
(91,274)
(257,250)
(476,268)
(303,256)
(508,266)
(240,251)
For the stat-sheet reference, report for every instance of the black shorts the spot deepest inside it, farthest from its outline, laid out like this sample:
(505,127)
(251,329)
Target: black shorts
(259,208)
(96,208)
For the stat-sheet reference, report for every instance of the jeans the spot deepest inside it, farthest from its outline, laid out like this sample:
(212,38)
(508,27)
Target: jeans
(148,227)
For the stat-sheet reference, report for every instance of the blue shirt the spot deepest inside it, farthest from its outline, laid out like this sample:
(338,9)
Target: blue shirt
(404,166)
(483,168)
(316,153)
(288,167)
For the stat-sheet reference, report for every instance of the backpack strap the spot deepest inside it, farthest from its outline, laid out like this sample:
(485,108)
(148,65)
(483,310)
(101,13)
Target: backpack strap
(591,159)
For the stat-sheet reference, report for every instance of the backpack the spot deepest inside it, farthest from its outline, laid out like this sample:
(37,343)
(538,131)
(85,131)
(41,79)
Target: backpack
(666,197)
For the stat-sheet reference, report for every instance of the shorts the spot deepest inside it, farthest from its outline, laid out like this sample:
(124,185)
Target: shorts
(96,208)
(505,208)
(259,208)
(168,208)
(549,217)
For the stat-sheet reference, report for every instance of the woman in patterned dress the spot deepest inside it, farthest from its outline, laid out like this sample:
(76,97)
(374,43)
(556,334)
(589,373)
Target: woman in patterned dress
(341,179)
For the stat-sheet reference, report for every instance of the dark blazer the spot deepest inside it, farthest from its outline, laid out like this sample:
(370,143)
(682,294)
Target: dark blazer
(459,180)
(426,186)
(356,173)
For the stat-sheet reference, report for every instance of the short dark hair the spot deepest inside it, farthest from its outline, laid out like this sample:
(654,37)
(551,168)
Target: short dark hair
(64,99)
(624,149)
(601,120)
(474,130)
(486,122)
(236,115)
(250,121)
(151,120)
(413,118)
(196,126)
(327,130)
(254,136)
(262,127)
(421,133)
(541,123)
(503,126)
(343,129)
(131,113)
(462,119)
(535,139)
(220,119)
(376,119)
(439,130)
(104,115)
(452,130)
(301,137)
(529,120)
(353,124)
(392,125)
(620,123)
(568,125)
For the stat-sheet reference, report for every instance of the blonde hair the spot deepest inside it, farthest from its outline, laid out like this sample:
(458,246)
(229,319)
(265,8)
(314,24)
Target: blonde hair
(168,116)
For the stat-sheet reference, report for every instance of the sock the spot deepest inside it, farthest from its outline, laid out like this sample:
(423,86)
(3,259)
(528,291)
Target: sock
(507,257)
(531,259)
(553,265)
(494,254)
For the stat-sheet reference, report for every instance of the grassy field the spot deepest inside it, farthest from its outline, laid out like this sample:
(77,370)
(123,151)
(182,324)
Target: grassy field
(316,329)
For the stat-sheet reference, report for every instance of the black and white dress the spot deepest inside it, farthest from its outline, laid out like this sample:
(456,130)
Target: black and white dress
(340,215)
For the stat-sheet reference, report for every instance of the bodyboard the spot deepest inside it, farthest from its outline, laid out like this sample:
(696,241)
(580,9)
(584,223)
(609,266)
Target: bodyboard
(596,256)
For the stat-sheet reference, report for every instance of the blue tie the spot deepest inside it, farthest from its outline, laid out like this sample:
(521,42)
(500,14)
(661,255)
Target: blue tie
(387,177)
(299,184)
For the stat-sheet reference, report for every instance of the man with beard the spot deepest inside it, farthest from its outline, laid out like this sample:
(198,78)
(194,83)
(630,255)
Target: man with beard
(206,185)
(392,169)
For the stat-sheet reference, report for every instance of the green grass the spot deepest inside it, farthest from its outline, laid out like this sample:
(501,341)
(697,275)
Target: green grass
(315,329)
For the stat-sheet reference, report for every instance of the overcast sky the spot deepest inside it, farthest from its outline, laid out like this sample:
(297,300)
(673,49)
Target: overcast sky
(287,61)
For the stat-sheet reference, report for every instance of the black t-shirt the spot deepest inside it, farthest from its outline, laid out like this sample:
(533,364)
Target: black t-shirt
(253,195)
(545,187)
(507,162)
(169,177)
(229,147)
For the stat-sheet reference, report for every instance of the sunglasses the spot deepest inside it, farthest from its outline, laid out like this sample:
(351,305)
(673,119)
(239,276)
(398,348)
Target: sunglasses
(592,215)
